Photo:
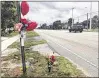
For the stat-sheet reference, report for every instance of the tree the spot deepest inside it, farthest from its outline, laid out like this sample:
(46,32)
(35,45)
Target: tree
(51,26)
(95,22)
(70,22)
(44,26)
(84,23)
(8,14)
(57,24)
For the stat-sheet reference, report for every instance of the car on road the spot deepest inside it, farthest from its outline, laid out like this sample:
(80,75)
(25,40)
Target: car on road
(76,28)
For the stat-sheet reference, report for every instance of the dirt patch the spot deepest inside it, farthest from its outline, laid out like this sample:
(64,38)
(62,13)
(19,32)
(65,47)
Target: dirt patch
(11,72)
(9,51)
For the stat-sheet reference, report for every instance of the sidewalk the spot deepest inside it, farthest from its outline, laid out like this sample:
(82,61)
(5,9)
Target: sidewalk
(3,38)
(44,50)
(7,42)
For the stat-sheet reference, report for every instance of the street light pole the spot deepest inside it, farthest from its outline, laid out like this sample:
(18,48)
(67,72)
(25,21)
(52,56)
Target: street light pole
(87,18)
(72,17)
(87,21)
(90,14)
(78,19)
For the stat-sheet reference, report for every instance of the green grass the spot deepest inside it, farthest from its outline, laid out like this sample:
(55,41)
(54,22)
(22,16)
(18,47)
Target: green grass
(66,68)
(30,43)
(31,34)
(14,45)
(27,43)
(28,33)
(91,30)
(13,34)
(63,68)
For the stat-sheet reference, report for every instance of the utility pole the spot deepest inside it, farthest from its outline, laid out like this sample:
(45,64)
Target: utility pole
(87,20)
(98,15)
(78,19)
(90,14)
(21,38)
(72,17)
(98,31)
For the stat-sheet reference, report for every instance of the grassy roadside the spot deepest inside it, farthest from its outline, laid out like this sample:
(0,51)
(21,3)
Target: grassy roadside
(13,34)
(27,43)
(61,68)
(30,42)
(91,30)
(67,68)
(31,34)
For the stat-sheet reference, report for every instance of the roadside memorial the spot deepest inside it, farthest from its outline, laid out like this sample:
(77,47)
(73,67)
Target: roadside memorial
(22,27)
(51,60)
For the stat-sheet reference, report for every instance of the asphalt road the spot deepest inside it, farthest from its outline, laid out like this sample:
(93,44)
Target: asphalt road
(80,48)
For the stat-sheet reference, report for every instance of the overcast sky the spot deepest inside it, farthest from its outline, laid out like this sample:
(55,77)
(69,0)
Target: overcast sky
(47,12)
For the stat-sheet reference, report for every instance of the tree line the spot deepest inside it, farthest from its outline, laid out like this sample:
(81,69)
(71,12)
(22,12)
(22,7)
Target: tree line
(8,16)
(59,25)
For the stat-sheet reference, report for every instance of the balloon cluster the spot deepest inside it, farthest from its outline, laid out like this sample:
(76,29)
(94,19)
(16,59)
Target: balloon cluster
(28,25)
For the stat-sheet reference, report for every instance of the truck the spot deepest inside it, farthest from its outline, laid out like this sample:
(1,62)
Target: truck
(76,28)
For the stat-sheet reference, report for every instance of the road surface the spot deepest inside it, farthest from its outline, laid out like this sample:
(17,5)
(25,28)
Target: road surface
(79,48)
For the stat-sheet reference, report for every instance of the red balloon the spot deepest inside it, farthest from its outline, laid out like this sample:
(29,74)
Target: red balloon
(24,21)
(31,26)
(24,8)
